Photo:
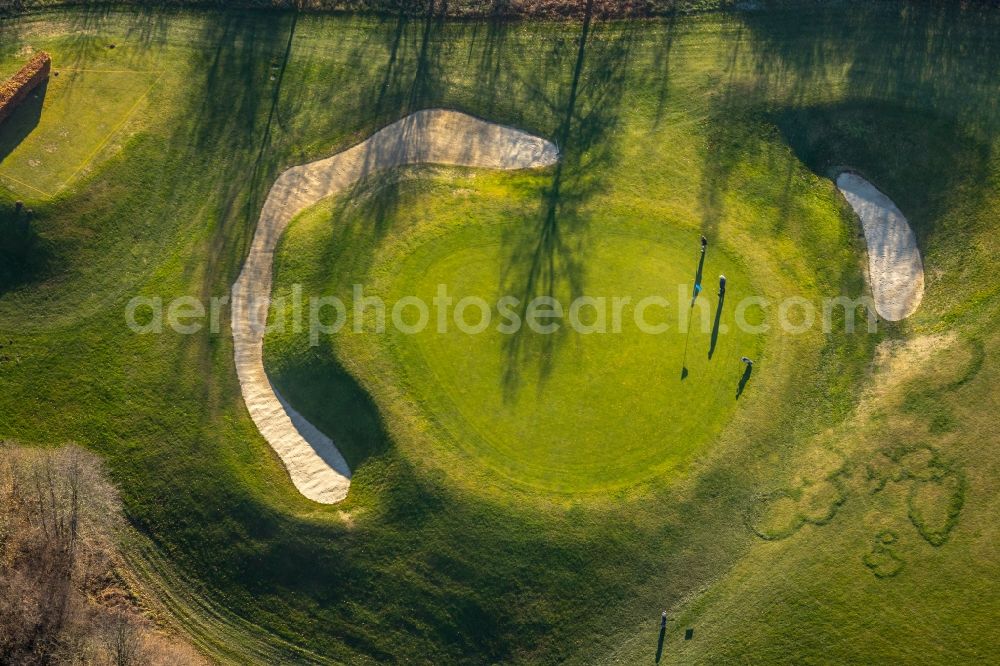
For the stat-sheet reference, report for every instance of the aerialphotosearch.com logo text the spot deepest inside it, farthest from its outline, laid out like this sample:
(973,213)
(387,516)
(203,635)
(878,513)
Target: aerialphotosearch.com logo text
(652,314)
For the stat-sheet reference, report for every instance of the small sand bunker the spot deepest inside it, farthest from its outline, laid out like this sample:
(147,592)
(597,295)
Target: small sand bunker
(436,136)
(894,264)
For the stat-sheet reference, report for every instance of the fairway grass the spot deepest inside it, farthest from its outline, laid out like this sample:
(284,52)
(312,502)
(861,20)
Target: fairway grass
(842,509)
(65,124)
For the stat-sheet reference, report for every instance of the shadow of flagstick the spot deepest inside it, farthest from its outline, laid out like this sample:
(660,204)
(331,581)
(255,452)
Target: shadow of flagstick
(694,297)
(684,363)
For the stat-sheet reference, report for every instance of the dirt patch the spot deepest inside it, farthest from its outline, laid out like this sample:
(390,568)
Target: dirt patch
(897,361)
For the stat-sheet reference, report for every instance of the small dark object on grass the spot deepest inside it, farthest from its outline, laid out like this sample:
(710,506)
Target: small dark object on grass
(746,360)
(111,46)
(688,634)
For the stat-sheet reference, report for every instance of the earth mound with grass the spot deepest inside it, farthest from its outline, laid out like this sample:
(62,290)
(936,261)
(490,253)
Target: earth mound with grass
(569,407)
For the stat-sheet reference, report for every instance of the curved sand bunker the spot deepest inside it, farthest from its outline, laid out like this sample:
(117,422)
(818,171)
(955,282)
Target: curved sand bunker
(894,263)
(437,136)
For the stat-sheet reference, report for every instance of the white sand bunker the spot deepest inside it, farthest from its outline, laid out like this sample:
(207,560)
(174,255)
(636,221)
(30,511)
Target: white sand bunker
(437,136)
(894,263)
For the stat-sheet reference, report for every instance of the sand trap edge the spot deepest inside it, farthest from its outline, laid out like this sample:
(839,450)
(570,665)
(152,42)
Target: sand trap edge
(895,266)
(436,136)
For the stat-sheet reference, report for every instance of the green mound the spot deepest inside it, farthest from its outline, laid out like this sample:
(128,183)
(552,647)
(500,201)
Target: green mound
(602,401)
(627,384)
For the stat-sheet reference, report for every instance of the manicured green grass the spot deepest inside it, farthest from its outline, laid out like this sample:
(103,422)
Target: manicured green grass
(68,121)
(580,417)
(723,125)
(80,113)
(565,411)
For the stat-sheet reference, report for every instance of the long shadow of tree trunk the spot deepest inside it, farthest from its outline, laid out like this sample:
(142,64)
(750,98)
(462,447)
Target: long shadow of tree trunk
(547,255)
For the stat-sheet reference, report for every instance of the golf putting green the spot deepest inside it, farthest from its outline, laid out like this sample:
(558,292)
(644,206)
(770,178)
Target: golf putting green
(603,402)
(576,410)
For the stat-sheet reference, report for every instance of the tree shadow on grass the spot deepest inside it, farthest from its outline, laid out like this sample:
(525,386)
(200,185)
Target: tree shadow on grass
(918,158)
(24,256)
(220,161)
(906,69)
(411,78)
(935,59)
(547,252)
(725,133)
(236,113)
(148,26)
(230,117)
(942,55)
(329,397)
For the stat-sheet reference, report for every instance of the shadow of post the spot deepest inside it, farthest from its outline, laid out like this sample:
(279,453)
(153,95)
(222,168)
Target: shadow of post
(659,644)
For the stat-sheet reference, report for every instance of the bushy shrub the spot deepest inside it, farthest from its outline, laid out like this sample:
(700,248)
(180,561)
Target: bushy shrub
(62,599)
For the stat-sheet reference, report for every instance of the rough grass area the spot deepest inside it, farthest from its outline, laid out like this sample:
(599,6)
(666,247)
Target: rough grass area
(868,459)
(65,594)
